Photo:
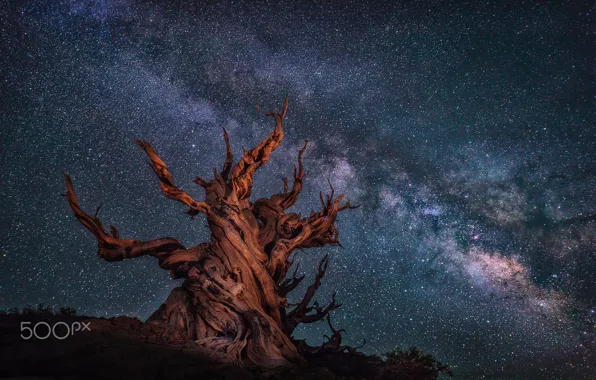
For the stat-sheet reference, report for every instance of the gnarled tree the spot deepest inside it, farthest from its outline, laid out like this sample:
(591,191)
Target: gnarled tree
(234,297)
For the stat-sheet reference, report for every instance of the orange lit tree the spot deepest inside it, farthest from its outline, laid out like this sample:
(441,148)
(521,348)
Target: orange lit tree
(233,299)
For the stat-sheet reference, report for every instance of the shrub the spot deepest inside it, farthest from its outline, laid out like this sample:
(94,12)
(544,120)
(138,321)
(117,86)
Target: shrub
(412,364)
(65,310)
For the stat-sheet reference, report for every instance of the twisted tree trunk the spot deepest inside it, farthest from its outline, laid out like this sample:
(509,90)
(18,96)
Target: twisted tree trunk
(234,297)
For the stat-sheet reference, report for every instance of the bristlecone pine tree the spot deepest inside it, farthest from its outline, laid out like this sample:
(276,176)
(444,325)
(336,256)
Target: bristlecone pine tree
(234,297)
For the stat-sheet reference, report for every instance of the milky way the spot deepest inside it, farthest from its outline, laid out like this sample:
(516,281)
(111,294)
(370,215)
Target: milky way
(466,133)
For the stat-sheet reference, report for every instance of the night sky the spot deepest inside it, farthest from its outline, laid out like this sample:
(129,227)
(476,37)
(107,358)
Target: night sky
(466,133)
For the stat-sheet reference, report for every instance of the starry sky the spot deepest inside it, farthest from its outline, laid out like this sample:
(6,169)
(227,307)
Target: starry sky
(466,131)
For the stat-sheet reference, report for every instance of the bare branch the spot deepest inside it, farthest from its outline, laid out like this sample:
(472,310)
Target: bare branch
(287,285)
(290,198)
(229,157)
(318,229)
(320,312)
(335,339)
(167,184)
(170,253)
(243,172)
(333,343)
(347,206)
(201,182)
(301,313)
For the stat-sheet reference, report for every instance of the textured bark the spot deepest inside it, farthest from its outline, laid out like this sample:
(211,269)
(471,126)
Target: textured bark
(233,299)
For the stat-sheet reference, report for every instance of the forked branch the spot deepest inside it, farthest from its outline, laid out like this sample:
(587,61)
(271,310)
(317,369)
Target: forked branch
(318,229)
(333,343)
(288,199)
(303,313)
(170,253)
(242,173)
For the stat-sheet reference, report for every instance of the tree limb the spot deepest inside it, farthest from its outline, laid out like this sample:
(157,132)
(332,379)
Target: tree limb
(169,252)
(320,312)
(302,312)
(243,172)
(287,285)
(229,157)
(321,230)
(333,344)
(316,230)
(166,182)
(288,199)
(293,232)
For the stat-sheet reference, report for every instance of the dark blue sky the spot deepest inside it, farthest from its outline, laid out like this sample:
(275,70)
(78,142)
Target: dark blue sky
(465,131)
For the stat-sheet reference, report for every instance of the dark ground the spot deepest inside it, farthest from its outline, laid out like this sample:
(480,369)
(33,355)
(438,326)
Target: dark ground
(124,348)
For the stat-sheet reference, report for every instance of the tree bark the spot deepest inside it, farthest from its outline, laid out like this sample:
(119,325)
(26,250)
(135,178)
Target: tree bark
(233,299)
